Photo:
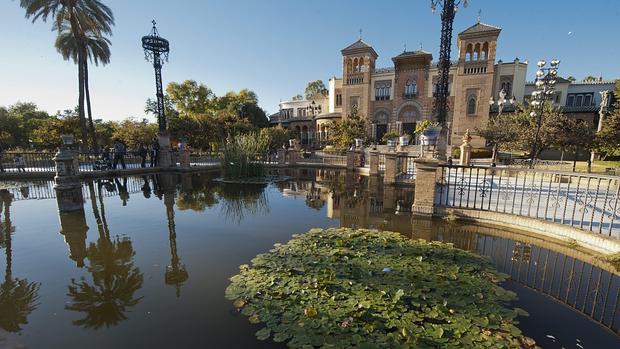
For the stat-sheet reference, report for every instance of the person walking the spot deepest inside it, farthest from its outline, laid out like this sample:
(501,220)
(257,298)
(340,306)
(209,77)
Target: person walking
(20,163)
(119,154)
(142,152)
(1,157)
(154,153)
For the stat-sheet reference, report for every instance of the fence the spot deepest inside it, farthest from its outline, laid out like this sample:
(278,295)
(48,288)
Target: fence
(381,162)
(405,168)
(321,158)
(589,202)
(204,159)
(27,162)
(90,162)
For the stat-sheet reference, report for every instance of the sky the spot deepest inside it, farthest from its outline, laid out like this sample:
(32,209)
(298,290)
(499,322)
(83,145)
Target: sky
(274,47)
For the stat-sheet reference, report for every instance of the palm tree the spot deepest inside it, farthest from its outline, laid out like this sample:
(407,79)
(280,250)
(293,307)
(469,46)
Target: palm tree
(97,51)
(83,16)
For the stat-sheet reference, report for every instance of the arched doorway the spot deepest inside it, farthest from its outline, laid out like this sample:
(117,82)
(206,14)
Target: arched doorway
(408,115)
(381,124)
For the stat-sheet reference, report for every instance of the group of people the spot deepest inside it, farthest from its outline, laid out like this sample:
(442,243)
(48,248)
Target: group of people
(18,161)
(111,157)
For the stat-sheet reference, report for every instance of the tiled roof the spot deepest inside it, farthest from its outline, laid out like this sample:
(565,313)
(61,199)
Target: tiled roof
(357,45)
(480,28)
(414,53)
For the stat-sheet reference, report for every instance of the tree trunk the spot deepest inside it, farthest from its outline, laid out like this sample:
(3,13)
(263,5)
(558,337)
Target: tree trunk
(81,115)
(91,125)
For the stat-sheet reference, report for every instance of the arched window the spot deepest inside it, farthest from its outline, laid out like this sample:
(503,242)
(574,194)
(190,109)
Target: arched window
(355,65)
(360,64)
(477,52)
(485,51)
(471,105)
(349,65)
(411,88)
(469,52)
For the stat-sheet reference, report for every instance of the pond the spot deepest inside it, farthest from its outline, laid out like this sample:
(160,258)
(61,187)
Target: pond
(146,263)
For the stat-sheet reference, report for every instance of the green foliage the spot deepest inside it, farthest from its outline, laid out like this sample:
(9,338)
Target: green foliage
(477,153)
(608,140)
(316,87)
(241,154)
(423,125)
(133,132)
(345,288)
(277,137)
(347,130)
(389,135)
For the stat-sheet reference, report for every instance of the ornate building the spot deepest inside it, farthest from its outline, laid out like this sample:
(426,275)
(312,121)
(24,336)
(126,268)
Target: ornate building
(398,97)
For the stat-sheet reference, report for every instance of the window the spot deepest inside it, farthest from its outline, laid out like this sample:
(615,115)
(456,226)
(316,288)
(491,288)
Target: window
(382,91)
(558,97)
(587,100)
(507,87)
(301,112)
(354,101)
(471,105)
(579,101)
(411,89)
(338,99)
(570,100)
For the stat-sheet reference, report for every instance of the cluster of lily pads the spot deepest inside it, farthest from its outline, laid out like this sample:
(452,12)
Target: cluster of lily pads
(347,288)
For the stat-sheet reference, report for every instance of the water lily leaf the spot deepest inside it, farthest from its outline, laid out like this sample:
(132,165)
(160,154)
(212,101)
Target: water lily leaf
(263,333)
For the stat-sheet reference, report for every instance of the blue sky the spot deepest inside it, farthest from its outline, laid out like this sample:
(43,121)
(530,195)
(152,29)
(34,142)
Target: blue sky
(275,47)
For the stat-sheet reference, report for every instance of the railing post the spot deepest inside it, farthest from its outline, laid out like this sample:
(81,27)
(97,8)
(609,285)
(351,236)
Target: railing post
(374,163)
(292,157)
(425,186)
(389,176)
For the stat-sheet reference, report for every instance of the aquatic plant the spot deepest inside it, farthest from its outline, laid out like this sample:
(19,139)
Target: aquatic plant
(243,156)
(346,288)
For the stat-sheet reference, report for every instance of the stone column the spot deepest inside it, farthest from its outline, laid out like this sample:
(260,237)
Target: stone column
(292,156)
(425,183)
(465,159)
(389,176)
(601,118)
(373,162)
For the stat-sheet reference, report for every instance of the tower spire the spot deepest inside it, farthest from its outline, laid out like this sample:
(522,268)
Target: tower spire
(360,33)
(479,14)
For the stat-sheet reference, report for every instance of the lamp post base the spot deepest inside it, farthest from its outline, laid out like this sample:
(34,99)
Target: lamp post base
(165,154)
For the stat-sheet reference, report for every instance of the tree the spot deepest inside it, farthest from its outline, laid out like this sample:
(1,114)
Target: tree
(315,87)
(524,125)
(571,78)
(347,130)
(298,98)
(499,132)
(82,16)
(97,51)
(569,134)
(608,139)
(47,134)
(190,97)
(277,136)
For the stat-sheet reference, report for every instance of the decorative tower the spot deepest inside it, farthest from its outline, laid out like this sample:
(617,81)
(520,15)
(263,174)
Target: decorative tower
(474,79)
(358,64)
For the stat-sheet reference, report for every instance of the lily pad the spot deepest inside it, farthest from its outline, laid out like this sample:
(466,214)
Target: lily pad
(329,288)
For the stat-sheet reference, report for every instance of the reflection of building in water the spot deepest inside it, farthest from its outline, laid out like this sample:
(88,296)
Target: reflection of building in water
(18,297)
(521,252)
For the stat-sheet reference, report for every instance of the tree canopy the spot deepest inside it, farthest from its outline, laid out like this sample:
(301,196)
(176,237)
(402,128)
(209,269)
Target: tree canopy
(315,87)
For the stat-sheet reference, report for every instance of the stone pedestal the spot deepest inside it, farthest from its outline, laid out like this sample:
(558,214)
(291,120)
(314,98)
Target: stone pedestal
(351,159)
(165,155)
(67,183)
(389,176)
(389,199)
(374,163)
(292,156)
(184,160)
(425,186)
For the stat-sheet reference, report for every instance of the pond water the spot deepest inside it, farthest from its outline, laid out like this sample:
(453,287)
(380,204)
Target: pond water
(146,263)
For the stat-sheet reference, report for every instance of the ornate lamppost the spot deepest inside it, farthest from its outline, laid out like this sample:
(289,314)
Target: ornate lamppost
(156,50)
(449,8)
(603,108)
(545,82)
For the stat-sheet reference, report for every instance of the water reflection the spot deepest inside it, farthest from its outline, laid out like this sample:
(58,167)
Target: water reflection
(176,273)
(18,297)
(110,294)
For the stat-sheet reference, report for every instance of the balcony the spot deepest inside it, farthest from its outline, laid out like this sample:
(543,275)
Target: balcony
(355,78)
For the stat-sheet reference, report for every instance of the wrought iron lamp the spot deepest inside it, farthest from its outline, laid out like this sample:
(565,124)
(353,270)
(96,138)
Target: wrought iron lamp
(156,50)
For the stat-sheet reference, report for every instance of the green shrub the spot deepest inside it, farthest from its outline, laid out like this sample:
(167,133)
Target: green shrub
(389,135)
(347,288)
(479,153)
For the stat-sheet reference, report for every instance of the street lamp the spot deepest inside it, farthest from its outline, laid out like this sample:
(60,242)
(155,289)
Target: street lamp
(449,8)
(545,81)
(156,50)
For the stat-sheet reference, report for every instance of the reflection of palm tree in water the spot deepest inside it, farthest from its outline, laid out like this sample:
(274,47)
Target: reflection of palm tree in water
(17,296)
(176,273)
(115,279)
